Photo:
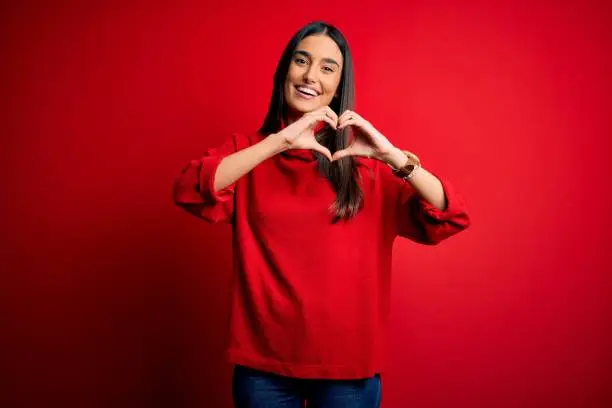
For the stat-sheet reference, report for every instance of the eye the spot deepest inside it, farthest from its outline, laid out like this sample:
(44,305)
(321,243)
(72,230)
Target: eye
(328,69)
(300,60)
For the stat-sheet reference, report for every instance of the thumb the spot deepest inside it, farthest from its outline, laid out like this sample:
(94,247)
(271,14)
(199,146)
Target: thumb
(340,154)
(323,150)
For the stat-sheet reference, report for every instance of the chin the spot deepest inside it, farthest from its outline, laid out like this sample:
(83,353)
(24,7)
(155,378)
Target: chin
(301,107)
(307,106)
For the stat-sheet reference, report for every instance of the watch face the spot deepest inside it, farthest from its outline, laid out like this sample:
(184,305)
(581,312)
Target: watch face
(407,171)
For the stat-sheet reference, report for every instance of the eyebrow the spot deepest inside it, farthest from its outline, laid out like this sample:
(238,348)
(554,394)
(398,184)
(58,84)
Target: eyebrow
(307,54)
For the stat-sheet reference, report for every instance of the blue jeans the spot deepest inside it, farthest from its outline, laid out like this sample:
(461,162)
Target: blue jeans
(257,389)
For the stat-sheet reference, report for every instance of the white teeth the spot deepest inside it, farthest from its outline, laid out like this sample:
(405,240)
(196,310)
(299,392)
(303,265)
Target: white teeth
(307,90)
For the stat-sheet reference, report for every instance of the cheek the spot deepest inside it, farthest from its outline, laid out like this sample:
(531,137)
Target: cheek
(290,79)
(331,86)
(288,84)
(294,73)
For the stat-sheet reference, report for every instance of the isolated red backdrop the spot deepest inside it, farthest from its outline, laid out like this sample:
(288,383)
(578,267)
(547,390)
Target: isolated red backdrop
(114,298)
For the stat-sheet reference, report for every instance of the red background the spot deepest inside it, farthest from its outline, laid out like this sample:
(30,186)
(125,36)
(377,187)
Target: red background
(113,297)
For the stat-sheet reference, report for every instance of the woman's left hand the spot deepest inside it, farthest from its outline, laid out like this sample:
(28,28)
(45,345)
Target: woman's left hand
(368,141)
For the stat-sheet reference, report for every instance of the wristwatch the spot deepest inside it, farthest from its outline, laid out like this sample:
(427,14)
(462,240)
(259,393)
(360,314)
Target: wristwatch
(409,169)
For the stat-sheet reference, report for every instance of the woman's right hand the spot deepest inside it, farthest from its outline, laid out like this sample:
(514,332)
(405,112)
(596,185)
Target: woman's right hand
(300,134)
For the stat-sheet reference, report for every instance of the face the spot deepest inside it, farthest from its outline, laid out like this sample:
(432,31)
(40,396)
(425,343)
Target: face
(314,74)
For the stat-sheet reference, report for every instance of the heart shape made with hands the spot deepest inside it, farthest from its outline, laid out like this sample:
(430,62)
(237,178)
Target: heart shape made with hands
(366,140)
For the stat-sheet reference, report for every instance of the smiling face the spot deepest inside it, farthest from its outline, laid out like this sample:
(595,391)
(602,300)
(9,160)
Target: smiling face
(314,75)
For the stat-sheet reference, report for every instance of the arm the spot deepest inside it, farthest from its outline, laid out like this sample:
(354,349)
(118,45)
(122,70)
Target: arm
(427,209)
(205,187)
(236,165)
(425,183)
(424,208)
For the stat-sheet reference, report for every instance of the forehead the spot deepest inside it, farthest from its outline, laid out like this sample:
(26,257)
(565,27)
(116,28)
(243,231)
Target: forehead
(320,46)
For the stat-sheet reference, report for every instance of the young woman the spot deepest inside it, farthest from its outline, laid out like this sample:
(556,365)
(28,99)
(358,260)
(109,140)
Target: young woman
(316,198)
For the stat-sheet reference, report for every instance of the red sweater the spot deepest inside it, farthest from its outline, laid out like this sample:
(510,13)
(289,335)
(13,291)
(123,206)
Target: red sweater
(311,298)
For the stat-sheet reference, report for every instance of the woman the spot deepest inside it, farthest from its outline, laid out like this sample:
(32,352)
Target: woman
(316,198)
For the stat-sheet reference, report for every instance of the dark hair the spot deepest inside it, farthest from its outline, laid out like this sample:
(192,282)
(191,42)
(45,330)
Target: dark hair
(342,173)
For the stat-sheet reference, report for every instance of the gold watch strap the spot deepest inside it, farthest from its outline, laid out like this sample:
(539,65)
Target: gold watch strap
(407,171)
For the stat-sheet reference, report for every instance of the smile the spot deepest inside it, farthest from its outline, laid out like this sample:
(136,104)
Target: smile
(306,92)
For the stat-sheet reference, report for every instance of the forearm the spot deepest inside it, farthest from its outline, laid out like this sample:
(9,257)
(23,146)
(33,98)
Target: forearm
(425,183)
(236,165)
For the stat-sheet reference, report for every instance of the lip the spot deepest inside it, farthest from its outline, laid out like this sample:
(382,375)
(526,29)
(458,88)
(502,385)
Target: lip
(308,87)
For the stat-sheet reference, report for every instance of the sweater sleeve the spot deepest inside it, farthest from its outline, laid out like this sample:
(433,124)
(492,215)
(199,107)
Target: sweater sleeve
(193,188)
(420,221)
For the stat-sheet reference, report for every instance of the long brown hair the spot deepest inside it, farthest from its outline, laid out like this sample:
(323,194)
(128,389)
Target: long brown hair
(342,173)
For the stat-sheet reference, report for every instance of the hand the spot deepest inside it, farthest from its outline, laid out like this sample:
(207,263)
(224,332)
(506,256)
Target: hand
(301,135)
(368,141)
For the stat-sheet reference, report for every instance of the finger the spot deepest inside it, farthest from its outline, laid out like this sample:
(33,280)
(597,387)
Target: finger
(350,116)
(323,150)
(347,122)
(351,152)
(347,114)
(311,119)
(356,115)
(341,154)
(326,110)
(343,116)
(331,114)
(323,117)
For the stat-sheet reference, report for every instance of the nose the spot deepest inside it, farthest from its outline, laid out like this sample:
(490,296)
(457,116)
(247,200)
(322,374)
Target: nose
(310,74)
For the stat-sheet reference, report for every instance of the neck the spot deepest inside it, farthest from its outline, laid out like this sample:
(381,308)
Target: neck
(291,116)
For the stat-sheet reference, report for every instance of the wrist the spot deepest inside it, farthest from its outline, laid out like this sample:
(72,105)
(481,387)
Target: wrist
(395,158)
(406,167)
(277,143)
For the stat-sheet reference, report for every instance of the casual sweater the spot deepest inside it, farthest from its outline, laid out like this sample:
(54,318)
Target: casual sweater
(310,298)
